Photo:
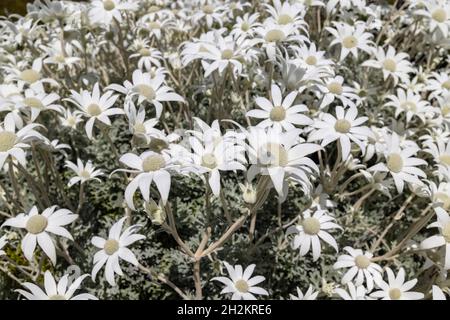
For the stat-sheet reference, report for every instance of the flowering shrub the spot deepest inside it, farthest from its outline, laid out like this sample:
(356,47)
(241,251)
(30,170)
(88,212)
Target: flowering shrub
(215,149)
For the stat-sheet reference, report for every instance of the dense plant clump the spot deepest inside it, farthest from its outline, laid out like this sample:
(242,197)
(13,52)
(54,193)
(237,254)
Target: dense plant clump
(216,149)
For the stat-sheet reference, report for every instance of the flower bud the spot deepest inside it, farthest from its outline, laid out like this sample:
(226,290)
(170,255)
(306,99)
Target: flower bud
(155,212)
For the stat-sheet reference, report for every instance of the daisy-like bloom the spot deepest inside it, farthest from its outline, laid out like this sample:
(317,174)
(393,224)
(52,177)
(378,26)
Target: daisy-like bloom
(29,76)
(209,12)
(438,13)
(12,143)
(137,123)
(437,293)
(440,150)
(148,56)
(400,163)
(351,38)
(84,172)
(334,89)
(36,101)
(149,167)
(311,58)
(310,230)
(357,292)
(443,239)
(38,226)
(438,84)
(148,89)
(245,25)
(360,266)
(71,119)
(396,288)
(345,127)
(310,294)
(214,157)
(95,106)
(391,63)
(3,242)
(115,248)
(280,156)
(286,13)
(280,113)
(241,283)
(58,57)
(444,107)
(410,103)
(104,11)
(54,291)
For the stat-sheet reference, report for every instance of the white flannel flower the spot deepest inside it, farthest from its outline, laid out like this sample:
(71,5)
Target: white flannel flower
(353,293)
(115,248)
(359,265)
(438,14)
(396,288)
(410,103)
(56,291)
(310,294)
(39,226)
(241,283)
(334,89)
(311,229)
(104,11)
(280,113)
(84,172)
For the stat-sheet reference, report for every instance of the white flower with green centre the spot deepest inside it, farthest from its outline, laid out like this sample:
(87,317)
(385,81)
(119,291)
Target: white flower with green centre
(281,156)
(208,13)
(70,119)
(438,14)
(149,167)
(148,57)
(148,88)
(440,150)
(3,242)
(284,13)
(35,101)
(39,227)
(213,156)
(104,11)
(391,63)
(95,106)
(396,288)
(83,172)
(312,229)
(360,267)
(310,294)
(56,291)
(13,143)
(333,89)
(351,38)
(400,163)
(443,238)
(241,283)
(28,76)
(345,127)
(115,248)
(280,113)
(411,104)
(439,85)
(311,58)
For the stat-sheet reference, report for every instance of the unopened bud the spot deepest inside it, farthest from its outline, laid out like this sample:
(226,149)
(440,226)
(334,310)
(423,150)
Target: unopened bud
(155,212)
(248,193)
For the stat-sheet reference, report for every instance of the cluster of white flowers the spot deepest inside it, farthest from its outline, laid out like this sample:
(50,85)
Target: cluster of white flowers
(343,105)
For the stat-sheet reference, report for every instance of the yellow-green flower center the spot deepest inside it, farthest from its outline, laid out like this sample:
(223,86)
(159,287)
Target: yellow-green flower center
(446,85)
(108,5)
(362,261)
(85,174)
(311,60)
(146,91)
(445,159)
(311,226)
(36,224)
(245,26)
(342,126)
(154,25)
(444,198)
(395,162)
(335,88)
(33,103)
(395,294)
(227,54)
(409,106)
(145,52)
(350,42)
(446,232)
(273,154)
(284,19)
(274,35)
(241,285)
(390,65)
(94,110)
(139,128)
(209,161)
(111,246)
(59,58)
(30,76)
(439,15)
(57,297)
(208,9)
(7,140)
(278,113)
(445,110)
(153,163)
